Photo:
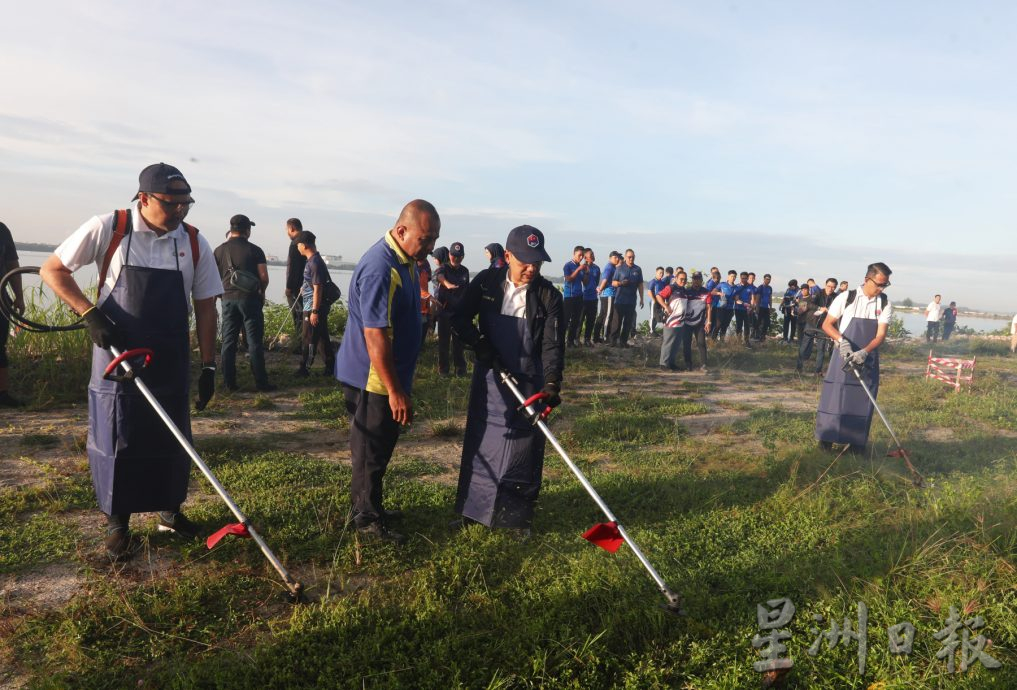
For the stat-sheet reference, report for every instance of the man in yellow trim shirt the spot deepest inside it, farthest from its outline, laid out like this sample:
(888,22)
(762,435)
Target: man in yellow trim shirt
(378,356)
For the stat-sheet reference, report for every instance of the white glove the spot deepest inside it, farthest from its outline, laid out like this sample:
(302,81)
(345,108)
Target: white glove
(844,347)
(858,357)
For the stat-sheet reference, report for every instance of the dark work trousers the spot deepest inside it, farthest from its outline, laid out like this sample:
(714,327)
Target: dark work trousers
(573,313)
(724,317)
(373,435)
(697,333)
(948,329)
(762,323)
(789,327)
(625,322)
(602,330)
(801,324)
(714,322)
(805,351)
(588,320)
(446,341)
(243,314)
(296,305)
(316,340)
(743,324)
(931,331)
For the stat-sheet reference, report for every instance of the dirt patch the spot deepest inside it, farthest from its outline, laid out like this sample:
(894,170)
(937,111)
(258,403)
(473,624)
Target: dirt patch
(45,588)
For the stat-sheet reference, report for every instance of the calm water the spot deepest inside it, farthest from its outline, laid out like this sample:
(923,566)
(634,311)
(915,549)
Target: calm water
(914,322)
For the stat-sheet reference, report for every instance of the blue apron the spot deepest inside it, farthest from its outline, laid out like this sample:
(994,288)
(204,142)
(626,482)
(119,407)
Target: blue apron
(137,465)
(845,411)
(503,454)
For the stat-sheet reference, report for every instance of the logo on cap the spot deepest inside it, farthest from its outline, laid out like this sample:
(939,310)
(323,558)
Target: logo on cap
(533,241)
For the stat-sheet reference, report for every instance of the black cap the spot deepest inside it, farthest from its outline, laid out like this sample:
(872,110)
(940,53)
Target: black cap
(456,249)
(527,244)
(697,274)
(241,222)
(440,253)
(157,177)
(307,238)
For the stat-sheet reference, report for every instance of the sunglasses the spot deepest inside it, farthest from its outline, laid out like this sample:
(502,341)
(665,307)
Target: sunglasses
(881,286)
(170,205)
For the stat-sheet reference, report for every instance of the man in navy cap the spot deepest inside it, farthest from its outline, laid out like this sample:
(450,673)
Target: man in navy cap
(451,279)
(152,268)
(520,329)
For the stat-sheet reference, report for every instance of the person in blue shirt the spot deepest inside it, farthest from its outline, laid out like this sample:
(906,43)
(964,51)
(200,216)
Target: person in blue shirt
(628,278)
(711,287)
(655,285)
(745,294)
(590,284)
(602,329)
(764,300)
(724,302)
(378,357)
(575,272)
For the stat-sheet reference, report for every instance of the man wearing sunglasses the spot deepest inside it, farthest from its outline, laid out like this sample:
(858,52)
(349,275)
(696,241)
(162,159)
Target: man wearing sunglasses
(152,267)
(856,321)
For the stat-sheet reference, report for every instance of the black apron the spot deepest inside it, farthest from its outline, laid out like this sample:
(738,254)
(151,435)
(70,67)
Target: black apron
(845,411)
(137,464)
(503,454)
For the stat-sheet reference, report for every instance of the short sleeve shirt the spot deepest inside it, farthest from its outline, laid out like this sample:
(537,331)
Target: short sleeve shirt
(575,287)
(172,250)
(243,255)
(863,307)
(765,293)
(315,273)
(935,311)
(457,275)
(608,275)
(634,275)
(727,295)
(384,293)
(591,284)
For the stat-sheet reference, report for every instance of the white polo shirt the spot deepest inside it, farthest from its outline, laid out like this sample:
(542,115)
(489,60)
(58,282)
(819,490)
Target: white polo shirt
(935,311)
(89,243)
(514,302)
(863,307)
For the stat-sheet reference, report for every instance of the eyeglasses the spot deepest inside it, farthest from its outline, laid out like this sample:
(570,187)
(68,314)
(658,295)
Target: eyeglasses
(170,205)
(879,286)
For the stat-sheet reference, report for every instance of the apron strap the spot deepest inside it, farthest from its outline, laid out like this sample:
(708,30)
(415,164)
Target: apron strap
(121,226)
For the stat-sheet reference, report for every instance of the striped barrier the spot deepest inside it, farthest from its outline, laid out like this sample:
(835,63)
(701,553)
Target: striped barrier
(950,370)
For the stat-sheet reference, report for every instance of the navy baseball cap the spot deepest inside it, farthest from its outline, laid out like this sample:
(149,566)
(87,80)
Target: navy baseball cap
(241,222)
(456,249)
(157,177)
(527,244)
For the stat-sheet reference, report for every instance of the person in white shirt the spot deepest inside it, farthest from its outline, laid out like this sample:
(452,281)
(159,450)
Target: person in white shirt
(152,266)
(933,314)
(857,321)
(520,328)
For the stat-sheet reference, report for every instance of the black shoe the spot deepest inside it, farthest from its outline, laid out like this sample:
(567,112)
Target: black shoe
(267,388)
(178,522)
(301,373)
(5,398)
(375,531)
(120,544)
(461,523)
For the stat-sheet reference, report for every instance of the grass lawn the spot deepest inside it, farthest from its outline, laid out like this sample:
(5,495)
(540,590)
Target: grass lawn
(716,476)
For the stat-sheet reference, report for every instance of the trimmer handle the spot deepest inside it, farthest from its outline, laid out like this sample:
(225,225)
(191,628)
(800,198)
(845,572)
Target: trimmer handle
(122,359)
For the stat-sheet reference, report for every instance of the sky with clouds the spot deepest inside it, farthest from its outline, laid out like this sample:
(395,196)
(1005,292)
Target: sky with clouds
(803,139)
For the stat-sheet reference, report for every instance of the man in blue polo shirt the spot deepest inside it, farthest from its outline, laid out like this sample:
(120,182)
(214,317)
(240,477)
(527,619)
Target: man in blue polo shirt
(628,278)
(764,298)
(656,284)
(745,295)
(590,285)
(602,329)
(378,356)
(575,273)
(723,304)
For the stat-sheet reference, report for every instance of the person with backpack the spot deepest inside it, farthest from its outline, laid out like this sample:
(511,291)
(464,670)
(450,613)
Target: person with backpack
(856,321)
(316,303)
(244,272)
(152,266)
(814,315)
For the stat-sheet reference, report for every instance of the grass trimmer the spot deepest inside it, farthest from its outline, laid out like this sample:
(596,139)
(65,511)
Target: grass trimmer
(243,528)
(610,535)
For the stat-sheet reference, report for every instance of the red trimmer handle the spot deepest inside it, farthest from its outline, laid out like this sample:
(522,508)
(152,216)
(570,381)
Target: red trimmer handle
(535,398)
(129,354)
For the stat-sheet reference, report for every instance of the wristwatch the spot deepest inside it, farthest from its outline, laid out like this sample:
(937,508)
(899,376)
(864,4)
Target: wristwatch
(314,311)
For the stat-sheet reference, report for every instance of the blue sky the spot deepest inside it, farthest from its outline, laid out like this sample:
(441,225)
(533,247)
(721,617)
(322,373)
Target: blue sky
(803,139)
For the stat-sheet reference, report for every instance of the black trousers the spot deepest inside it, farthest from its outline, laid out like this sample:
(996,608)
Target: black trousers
(931,330)
(762,323)
(697,333)
(743,324)
(589,319)
(572,311)
(373,436)
(602,330)
(448,341)
(789,327)
(624,322)
(316,339)
(724,317)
